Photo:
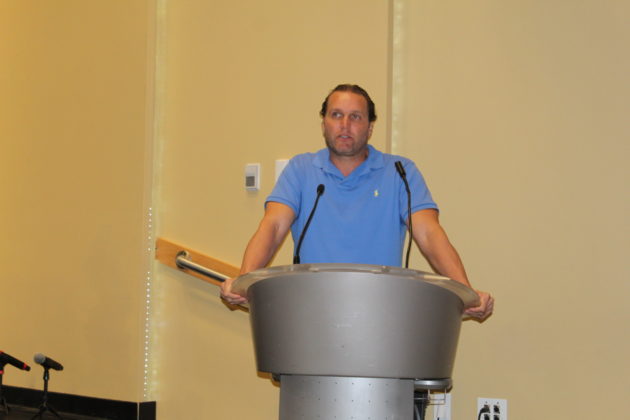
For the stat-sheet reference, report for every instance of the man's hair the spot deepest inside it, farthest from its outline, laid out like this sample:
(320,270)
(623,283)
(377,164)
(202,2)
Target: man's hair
(354,89)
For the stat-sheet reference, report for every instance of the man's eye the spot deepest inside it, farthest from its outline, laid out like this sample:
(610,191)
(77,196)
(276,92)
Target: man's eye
(336,114)
(355,117)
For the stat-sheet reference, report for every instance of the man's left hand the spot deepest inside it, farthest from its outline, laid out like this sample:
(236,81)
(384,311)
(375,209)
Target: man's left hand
(485,308)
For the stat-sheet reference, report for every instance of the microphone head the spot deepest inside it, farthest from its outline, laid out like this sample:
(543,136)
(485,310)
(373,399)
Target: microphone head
(47,362)
(320,189)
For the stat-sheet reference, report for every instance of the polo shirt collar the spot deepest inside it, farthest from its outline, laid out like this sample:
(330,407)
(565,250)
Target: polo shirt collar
(373,161)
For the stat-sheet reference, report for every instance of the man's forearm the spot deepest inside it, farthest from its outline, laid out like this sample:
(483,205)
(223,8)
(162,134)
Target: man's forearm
(436,247)
(444,259)
(259,251)
(270,234)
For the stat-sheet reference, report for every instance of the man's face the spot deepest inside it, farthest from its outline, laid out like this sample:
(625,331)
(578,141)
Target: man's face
(345,126)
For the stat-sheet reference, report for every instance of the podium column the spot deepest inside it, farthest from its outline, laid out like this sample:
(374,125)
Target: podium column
(345,398)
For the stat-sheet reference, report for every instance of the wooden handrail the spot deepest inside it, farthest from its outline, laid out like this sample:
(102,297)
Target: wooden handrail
(167,252)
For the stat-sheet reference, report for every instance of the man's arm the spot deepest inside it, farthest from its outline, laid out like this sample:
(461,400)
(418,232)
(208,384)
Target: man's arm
(271,232)
(443,258)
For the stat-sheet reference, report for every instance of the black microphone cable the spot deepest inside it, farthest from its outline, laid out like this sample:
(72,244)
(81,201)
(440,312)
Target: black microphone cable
(403,175)
(320,192)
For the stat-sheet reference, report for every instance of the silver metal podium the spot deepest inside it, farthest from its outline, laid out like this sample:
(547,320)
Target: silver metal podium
(353,341)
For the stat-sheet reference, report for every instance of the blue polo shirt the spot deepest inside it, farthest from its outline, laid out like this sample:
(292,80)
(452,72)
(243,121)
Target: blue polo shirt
(361,217)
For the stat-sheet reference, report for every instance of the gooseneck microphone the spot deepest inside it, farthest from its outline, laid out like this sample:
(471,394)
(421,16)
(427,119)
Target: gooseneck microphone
(47,362)
(320,192)
(403,175)
(6,358)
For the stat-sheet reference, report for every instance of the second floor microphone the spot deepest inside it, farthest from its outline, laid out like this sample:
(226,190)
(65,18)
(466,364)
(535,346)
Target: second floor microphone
(47,362)
(296,257)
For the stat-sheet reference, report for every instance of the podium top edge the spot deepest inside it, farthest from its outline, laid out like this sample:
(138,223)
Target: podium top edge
(468,296)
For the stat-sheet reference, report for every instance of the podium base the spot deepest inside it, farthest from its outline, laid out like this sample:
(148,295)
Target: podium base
(345,398)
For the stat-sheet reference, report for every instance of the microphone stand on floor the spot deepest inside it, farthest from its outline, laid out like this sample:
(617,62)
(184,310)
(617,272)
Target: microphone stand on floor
(3,401)
(45,407)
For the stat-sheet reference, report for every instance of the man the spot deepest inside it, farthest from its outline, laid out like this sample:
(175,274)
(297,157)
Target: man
(363,213)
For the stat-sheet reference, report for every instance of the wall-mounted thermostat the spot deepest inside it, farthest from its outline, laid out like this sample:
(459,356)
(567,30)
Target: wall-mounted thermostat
(252,176)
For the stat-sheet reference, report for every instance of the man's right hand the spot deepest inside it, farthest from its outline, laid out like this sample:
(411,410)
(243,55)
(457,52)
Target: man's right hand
(228,296)
(272,230)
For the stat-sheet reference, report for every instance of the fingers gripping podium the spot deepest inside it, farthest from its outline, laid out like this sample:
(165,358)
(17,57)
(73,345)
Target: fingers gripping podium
(351,340)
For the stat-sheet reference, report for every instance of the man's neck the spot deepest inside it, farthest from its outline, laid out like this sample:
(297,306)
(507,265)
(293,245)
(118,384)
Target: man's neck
(347,164)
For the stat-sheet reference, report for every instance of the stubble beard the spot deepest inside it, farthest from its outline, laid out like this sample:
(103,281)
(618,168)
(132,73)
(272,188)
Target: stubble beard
(357,149)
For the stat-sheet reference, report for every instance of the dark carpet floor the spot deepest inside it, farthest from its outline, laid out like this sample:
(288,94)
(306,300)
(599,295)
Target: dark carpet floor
(24,413)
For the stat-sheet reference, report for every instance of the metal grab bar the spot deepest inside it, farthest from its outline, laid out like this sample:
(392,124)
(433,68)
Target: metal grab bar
(182,260)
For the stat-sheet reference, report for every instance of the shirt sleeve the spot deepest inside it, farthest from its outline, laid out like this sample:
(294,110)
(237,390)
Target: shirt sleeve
(288,189)
(421,198)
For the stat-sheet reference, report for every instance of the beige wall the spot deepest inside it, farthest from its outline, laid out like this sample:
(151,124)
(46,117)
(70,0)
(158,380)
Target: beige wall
(73,135)
(518,114)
